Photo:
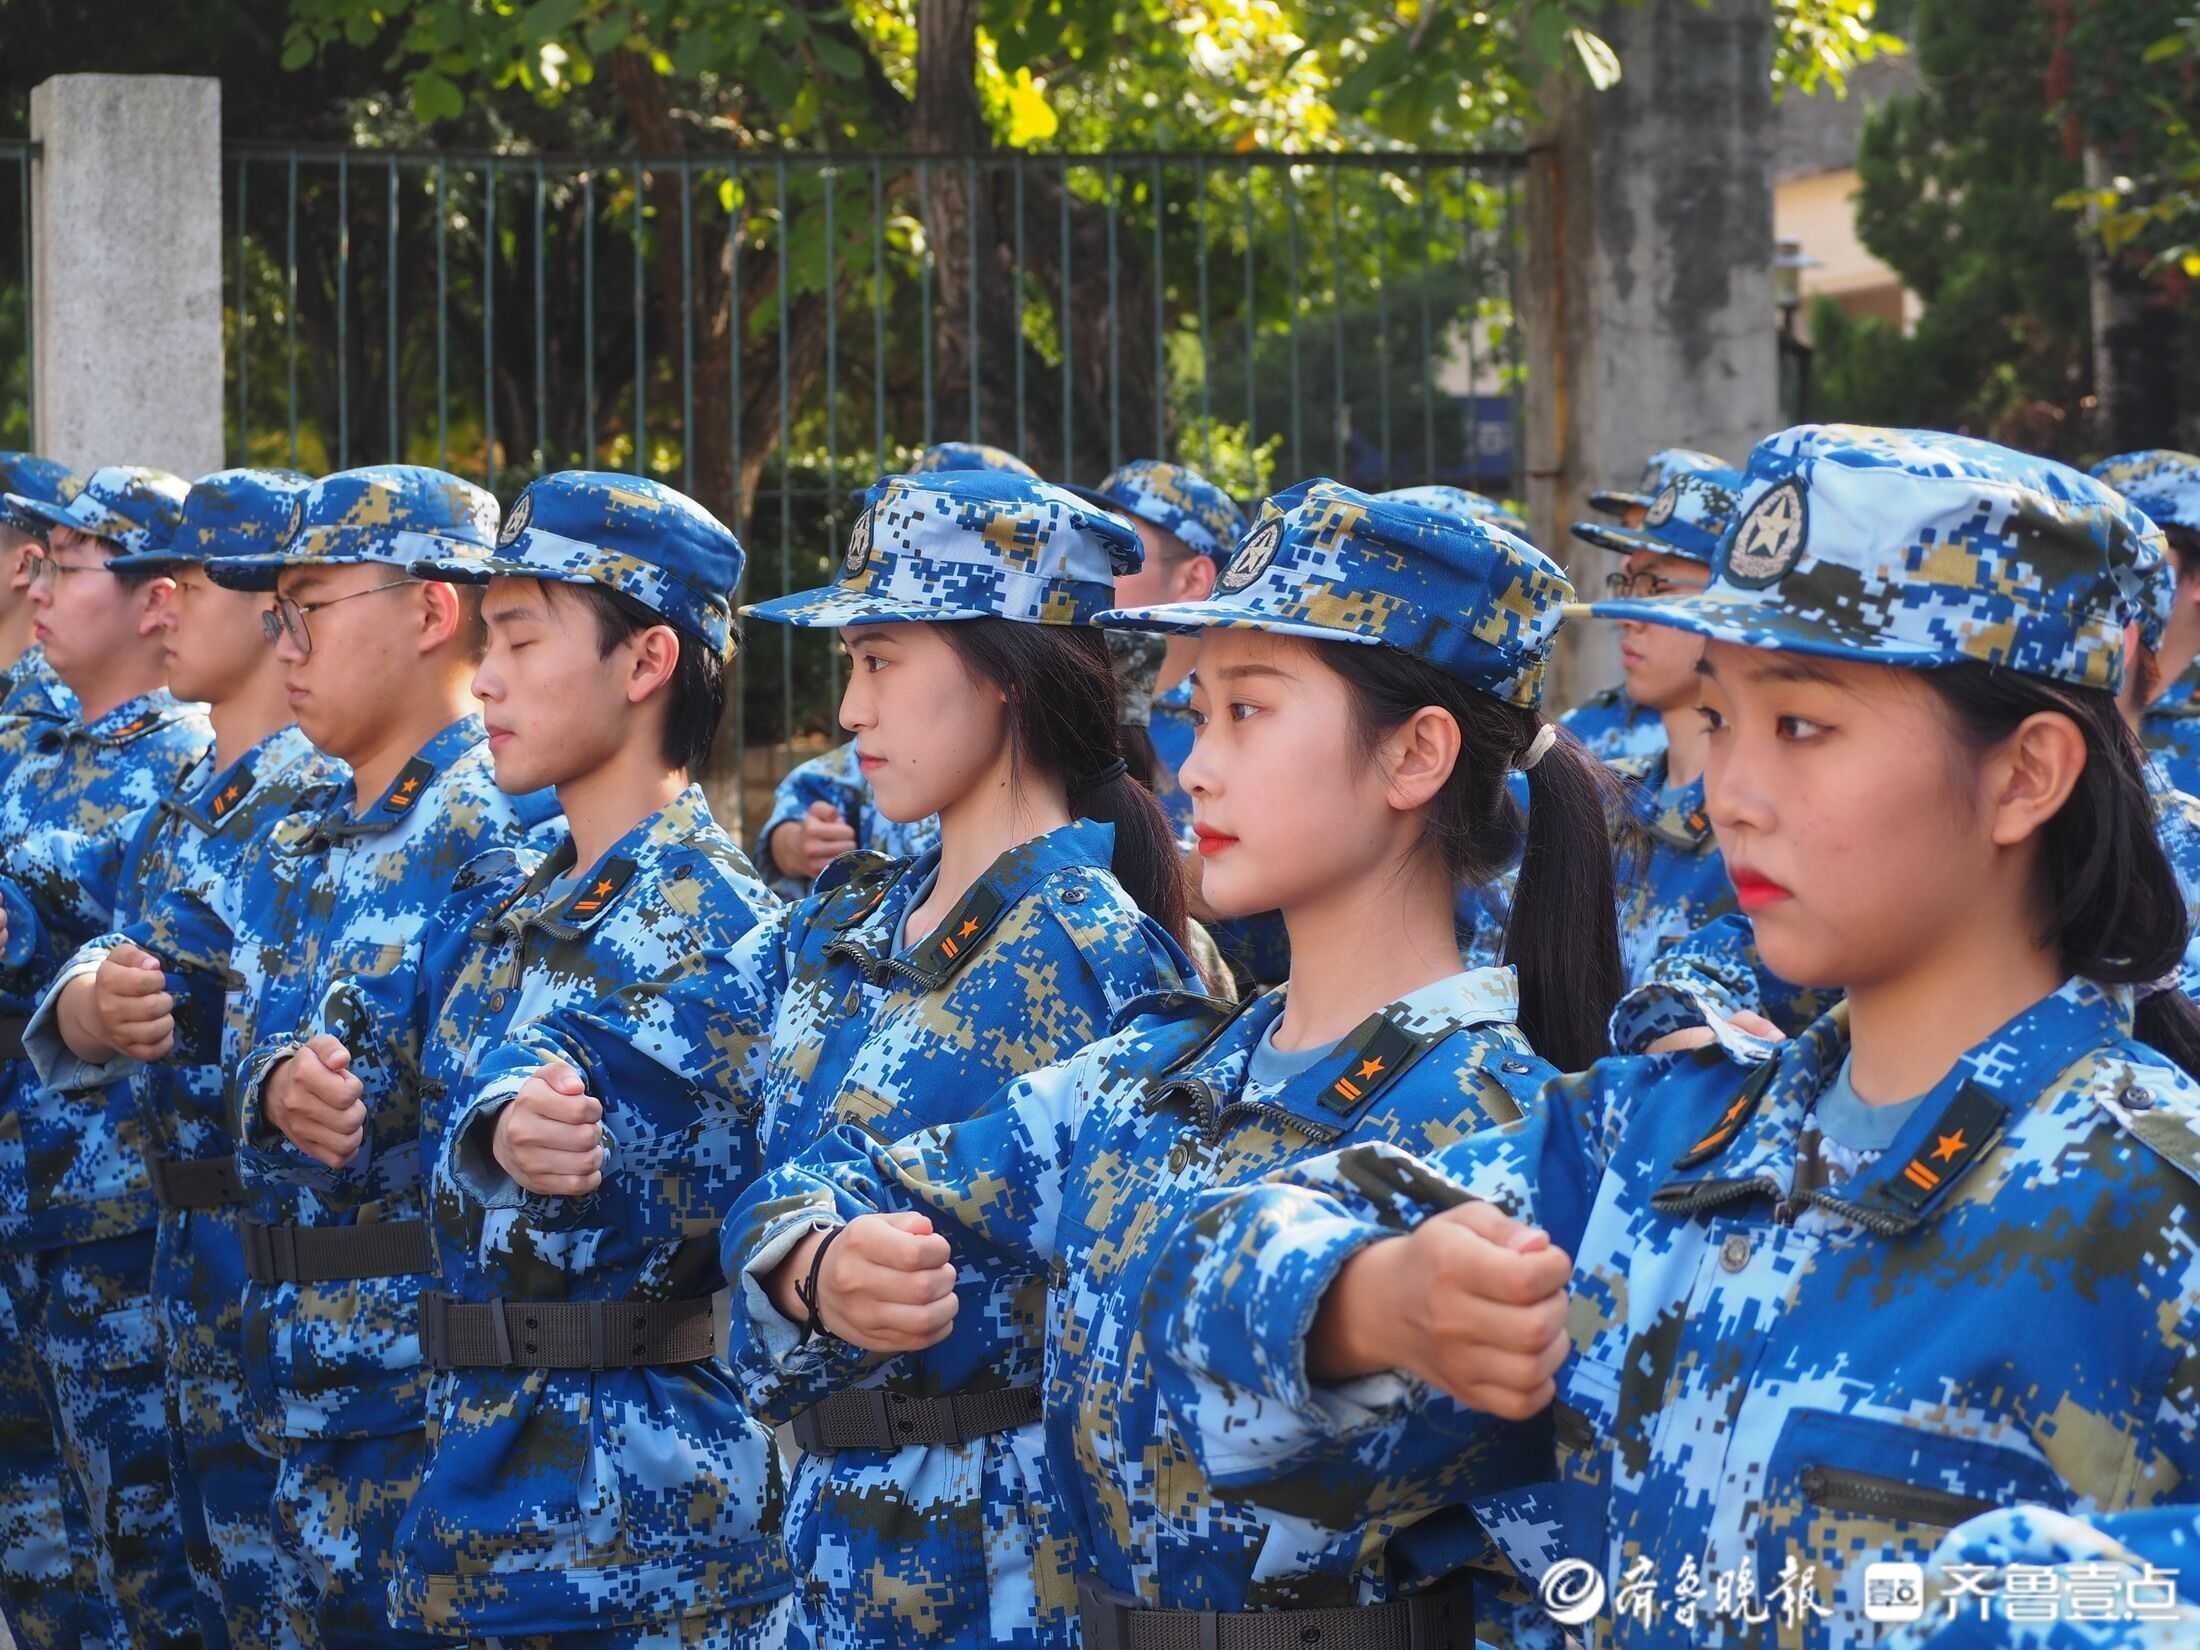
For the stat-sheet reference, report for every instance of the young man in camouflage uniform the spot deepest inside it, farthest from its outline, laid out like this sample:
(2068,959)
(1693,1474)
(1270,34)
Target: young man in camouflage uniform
(111,1010)
(78,1226)
(335,928)
(1610,723)
(28,685)
(573,1341)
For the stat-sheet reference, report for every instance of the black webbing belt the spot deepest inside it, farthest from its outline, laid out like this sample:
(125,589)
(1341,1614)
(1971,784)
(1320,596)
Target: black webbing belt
(1442,1619)
(12,1027)
(334,1254)
(568,1334)
(202,1183)
(873,1418)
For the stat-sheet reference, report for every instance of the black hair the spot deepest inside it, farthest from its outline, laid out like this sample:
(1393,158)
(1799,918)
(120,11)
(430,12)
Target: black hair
(1563,935)
(2184,549)
(697,701)
(2114,910)
(1139,756)
(1064,718)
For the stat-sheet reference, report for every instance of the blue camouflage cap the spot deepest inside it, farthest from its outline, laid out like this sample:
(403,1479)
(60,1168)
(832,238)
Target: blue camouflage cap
(1658,469)
(952,457)
(978,544)
(1459,501)
(620,532)
(1330,563)
(387,514)
(29,476)
(2163,483)
(226,513)
(1685,519)
(134,508)
(1175,499)
(1917,549)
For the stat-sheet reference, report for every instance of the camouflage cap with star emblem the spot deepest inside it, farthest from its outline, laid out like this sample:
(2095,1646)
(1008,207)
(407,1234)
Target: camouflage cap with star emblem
(1919,549)
(1329,563)
(1657,470)
(978,544)
(132,508)
(957,457)
(1462,502)
(385,514)
(1175,498)
(620,532)
(228,513)
(1686,519)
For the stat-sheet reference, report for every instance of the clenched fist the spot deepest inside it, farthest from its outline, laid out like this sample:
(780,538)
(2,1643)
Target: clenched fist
(803,847)
(887,1285)
(549,1136)
(1471,1301)
(132,1005)
(317,1103)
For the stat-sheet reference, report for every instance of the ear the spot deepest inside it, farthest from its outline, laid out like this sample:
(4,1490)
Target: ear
(1418,757)
(153,599)
(656,657)
(1196,577)
(2032,775)
(441,616)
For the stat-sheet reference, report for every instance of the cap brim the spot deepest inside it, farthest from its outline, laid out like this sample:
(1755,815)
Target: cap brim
(33,515)
(1191,618)
(256,573)
(475,569)
(1613,504)
(151,561)
(1761,625)
(835,608)
(1624,540)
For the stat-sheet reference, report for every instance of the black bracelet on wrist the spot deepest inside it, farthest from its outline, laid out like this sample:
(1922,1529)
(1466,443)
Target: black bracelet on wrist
(806,1290)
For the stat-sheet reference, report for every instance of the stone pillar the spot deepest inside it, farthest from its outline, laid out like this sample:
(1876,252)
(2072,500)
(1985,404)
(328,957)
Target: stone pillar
(126,241)
(1646,296)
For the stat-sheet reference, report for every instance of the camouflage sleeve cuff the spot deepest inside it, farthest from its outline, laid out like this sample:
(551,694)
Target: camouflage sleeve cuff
(780,1369)
(1662,1008)
(470,1163)
(1232,1349)
(58,1066)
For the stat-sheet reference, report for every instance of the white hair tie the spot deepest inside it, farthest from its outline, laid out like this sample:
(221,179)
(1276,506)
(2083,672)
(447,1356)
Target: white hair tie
(1539,747)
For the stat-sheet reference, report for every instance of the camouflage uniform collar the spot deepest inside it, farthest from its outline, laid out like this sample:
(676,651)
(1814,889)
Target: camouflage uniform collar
(870,936)
(395,804)
(2182,699)
(1750,1151)
(128,722)
(1331,1096)
(1680,820)
(209,801)
(681,820)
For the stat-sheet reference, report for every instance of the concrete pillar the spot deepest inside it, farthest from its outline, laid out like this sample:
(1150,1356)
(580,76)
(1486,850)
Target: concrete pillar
(126,245)
(1646,295)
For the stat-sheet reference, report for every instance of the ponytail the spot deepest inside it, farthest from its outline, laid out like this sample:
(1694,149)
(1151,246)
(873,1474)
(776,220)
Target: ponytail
(1063,708)
(1563,936)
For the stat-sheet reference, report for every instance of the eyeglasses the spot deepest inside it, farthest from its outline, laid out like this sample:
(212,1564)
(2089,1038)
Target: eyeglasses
(1627,586)
(288,616)
(44,565)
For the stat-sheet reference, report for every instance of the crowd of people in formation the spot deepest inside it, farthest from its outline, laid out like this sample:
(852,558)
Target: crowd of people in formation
(1212,1122)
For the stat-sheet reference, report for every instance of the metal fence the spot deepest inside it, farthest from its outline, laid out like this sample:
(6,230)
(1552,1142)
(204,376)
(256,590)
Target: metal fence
(771,333)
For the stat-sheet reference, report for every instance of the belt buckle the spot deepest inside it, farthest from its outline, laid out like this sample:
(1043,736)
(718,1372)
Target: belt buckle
(805,1427)
(1105,1617)
(880,1403)
(434,1327)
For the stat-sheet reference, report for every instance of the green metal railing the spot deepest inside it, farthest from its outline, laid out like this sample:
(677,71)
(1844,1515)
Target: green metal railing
(771,332)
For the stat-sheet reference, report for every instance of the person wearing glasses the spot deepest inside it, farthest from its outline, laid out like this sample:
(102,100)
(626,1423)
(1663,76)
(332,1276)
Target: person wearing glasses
(1671,878)
(28,686)
(334,927)
(1612,723)
(163,1123)
(78,1270)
